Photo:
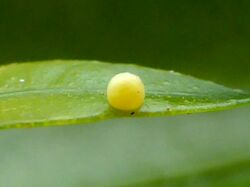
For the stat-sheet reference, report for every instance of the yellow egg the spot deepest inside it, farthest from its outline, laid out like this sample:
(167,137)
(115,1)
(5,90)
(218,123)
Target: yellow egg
(126,92)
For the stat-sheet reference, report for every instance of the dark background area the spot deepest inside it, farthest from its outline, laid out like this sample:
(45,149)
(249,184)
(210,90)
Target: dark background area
(208,39)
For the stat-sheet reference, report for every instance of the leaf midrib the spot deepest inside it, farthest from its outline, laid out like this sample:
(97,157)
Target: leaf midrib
(78,91)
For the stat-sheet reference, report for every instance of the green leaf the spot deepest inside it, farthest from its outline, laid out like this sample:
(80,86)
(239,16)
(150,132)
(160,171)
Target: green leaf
(69,92)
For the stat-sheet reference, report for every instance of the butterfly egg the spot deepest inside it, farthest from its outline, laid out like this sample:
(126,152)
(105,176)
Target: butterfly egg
(126,92)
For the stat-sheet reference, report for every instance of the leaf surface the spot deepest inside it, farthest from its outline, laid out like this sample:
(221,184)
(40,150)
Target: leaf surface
(69,92)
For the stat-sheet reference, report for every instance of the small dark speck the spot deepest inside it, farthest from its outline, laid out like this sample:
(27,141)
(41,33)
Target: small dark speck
(132,113)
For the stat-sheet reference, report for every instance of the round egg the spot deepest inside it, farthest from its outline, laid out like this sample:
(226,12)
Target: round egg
(126,92)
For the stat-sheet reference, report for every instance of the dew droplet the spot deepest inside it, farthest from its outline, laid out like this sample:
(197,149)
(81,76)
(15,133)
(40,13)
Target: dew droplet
(21,80)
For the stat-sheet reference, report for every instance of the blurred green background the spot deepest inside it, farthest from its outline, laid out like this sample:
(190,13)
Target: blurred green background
(207,39)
